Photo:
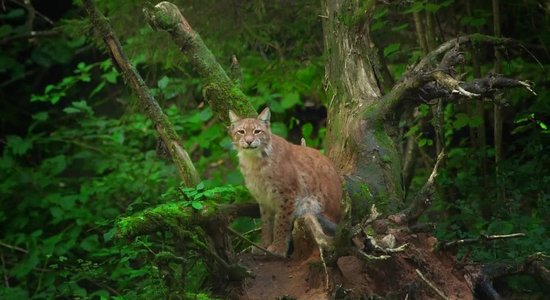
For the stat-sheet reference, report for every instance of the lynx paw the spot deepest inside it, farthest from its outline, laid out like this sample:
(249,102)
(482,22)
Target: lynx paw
(257,252)
(279,251)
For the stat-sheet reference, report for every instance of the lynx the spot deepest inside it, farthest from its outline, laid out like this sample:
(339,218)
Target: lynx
(288,181)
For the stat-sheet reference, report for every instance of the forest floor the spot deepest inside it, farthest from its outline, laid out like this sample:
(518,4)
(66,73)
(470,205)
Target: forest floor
(351,278)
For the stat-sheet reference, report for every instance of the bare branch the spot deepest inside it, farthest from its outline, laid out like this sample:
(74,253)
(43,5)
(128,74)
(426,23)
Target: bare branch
(480,239)
(424,197)
(14,247)
(423,73)
(244,238)
(150,106)
(431,285)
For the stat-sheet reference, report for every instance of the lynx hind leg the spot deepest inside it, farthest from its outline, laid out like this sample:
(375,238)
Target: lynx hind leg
(308,234)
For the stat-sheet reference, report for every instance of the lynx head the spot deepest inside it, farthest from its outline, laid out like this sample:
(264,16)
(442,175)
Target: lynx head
(251,134)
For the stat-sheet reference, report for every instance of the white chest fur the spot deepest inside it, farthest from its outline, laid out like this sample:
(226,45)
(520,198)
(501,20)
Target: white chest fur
(256,170)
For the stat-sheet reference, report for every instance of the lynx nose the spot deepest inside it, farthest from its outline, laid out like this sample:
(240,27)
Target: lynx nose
(249,140)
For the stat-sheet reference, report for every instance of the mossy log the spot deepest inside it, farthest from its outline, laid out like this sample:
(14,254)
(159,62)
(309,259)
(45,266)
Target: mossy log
(178,216)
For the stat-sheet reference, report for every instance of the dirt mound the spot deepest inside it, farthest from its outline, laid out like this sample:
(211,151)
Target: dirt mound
(352,278)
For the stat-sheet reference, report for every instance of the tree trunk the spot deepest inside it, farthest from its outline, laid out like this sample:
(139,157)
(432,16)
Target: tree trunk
(357,138)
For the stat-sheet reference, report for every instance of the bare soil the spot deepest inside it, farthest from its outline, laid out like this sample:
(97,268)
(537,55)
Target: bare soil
(352,278)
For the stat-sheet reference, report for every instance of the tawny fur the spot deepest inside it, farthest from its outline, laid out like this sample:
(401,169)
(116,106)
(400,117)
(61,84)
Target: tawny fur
(287,180)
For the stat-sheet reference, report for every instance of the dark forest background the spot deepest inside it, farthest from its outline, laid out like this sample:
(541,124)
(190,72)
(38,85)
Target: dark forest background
(77,153)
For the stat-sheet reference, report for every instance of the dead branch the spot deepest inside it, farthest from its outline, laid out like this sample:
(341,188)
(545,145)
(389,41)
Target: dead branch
(431,285)
(150,106)
(14,247)
(244,238)
(424,197)
(482,238)
(220,91)
(440,75)
(31,35)
(235,72)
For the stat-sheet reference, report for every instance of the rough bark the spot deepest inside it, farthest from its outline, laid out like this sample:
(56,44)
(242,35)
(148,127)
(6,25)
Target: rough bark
(357,142)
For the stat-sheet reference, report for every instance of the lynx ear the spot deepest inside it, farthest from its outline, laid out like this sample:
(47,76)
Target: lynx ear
(233,117)
(265,115)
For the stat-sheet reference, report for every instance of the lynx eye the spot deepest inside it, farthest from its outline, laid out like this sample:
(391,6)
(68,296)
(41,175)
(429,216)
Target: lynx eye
(240,131)
(257,131)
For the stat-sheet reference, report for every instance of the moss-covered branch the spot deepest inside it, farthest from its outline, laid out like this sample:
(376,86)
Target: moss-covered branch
(149,105)
(221,92)
(178,216)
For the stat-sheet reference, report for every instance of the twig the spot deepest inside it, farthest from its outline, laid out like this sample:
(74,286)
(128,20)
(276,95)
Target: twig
(481,238)
(4,272)
(103,286)
(431,285)
(233,231)
(48,20)
(29,35)
(13,247)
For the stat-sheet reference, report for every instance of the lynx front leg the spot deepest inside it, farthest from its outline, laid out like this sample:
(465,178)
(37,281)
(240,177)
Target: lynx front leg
(282,233)
(267,218)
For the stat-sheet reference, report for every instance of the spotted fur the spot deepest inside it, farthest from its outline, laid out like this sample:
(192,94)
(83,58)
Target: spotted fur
(287,180)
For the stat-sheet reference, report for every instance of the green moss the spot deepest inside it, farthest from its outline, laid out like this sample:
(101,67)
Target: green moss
(172,217)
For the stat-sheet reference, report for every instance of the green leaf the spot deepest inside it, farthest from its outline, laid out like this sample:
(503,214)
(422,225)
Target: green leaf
(118,137)
(71,110)
(432,7)
(163,82)
(56,212)
(279,129)
(27,265)
(107,236)
(307,129)
(54,165)
(90,243)
(18,145)
(197,205)
(400,27)
(111,77)
(461,120)
(290,99)
(200,186)
(391,49)
(41,116)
